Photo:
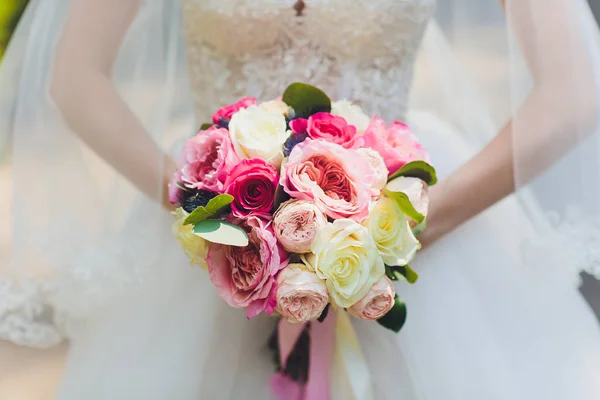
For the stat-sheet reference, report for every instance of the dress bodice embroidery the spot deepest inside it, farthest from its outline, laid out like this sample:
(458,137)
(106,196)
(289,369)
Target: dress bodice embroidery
(363,50)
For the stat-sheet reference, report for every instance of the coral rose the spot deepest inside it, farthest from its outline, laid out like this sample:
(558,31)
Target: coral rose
(337,180)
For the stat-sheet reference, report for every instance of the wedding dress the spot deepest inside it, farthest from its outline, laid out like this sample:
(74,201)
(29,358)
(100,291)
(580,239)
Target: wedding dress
(149,326)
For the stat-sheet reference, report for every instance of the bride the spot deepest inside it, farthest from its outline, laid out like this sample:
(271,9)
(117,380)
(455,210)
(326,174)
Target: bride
(102,92)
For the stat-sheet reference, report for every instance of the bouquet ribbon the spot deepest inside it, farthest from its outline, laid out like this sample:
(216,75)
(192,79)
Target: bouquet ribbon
(334,354)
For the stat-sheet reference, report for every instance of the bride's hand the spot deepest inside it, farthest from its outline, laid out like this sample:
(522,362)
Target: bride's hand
(434,224)
(169,169)
(447,210)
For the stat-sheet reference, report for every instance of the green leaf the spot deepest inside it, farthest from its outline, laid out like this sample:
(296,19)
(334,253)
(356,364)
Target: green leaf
(405,205)
(217,231)
(214,206)
(409,273)
(205,126)
(306,100)
(417,169)
(391,273)
(397,273)
(394,320)
(418,229)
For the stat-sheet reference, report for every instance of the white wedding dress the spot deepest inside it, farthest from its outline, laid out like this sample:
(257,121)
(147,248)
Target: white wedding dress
(480,326)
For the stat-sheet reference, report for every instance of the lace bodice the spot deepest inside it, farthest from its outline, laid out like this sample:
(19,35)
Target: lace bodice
(364,51)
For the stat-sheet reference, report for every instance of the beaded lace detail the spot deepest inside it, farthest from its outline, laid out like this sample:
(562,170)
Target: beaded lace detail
(361,50)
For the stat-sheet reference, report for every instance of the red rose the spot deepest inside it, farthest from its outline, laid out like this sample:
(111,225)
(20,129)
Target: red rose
(252,183)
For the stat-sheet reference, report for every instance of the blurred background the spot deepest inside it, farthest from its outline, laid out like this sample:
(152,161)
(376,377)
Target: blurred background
(10,13)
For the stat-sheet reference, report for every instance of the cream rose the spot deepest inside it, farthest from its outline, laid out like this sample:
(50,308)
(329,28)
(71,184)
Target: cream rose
(193,246)
(390,230)
(258,133)
(346,257)
(352,113)
(275,106)
(378,302)
(296,224)
(417,192)
(301,294)
(380,171)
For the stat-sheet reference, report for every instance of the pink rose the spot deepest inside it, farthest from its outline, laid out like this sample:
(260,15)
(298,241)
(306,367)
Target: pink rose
(331,128)
(296,224)
(224,113)
(245,277)
(175,191)
(206,160)
(396,143)
(378,302)
(299,125)
(301,294)
(337,180)
(252,183)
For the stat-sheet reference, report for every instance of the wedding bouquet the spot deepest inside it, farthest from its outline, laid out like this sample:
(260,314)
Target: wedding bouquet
(299,204)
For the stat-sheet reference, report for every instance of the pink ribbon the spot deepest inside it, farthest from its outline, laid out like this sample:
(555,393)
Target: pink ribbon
(320,356)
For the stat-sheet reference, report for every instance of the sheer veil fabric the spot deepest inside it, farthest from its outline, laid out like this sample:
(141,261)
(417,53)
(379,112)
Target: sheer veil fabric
(74,219)
(535,64)
(90,250)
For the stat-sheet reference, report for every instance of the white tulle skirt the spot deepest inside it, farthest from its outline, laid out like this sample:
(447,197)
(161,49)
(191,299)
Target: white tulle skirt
(480,326)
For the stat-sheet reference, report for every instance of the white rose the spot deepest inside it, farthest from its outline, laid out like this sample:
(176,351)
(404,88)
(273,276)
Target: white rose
(257,133)
(352,113)
(417,192)
(380,171)
(391,232)
(346,257)
(192,245)
(275,106)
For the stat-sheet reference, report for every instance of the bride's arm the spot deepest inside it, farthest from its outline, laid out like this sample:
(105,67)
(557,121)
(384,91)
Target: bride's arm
(82,90)
(561,105)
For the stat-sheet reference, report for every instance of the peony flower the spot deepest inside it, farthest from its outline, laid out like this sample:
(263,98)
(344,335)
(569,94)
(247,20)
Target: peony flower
(226,112)
(338,180)
(378,169)
(275,106)
(296,224)
(352,113)
(346,257)
(391,231)
(378,302)
(301,295)
(252,183)
(333,129)
(245,277)
(206,160)
(396,143)
(417,192)
(193,246)
(257,133)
